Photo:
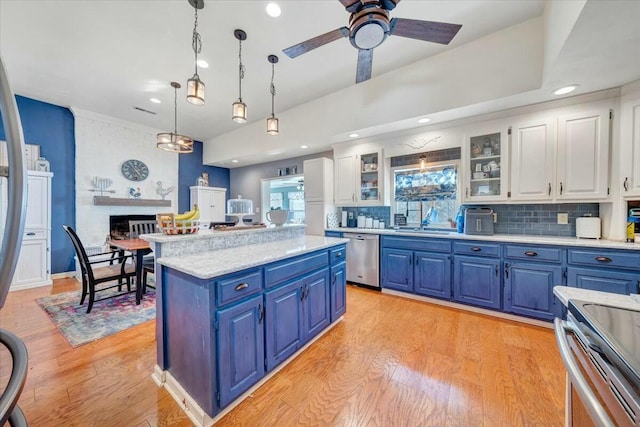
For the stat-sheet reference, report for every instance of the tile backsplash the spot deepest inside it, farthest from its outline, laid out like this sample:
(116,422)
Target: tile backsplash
(383,213)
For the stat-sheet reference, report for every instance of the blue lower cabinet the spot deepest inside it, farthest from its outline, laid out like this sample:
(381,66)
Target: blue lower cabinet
(332,234)
(432,274)
(477,281)
(397,269)
(283,322)
(528,290)
(315,304)
(240,355)
(338,277)
(602,279)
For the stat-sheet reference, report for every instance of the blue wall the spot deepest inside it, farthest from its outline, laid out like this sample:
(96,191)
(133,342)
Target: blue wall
(190,167)
(52,128)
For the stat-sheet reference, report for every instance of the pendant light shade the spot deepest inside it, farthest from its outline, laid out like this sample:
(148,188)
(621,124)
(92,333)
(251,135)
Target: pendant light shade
(239,108)
(195,86)
(173,141)
(273,126)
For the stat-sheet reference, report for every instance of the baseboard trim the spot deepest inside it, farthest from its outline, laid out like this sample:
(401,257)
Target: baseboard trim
(30,285)
(191,408)
(471,308)
(63,275)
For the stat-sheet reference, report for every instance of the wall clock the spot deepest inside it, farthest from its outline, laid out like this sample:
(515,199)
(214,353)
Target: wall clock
(134,170)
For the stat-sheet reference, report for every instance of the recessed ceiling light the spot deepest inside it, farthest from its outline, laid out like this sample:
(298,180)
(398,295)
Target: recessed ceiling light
(155,100)
(353,135)
(424,120)
(304,146)
(273,10)
(202,63)
(565,90)
(234,161)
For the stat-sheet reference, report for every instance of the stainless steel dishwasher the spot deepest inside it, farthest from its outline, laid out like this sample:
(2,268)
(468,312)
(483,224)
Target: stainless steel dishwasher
(363,258)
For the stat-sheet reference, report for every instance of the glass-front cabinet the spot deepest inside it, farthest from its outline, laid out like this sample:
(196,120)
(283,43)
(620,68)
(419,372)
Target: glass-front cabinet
(370,182)
(486,165)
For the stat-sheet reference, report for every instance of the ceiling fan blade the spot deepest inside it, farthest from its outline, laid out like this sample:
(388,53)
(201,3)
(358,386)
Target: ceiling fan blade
(429,31)
(389,4)
(365,59)
(350,5)
(315,42)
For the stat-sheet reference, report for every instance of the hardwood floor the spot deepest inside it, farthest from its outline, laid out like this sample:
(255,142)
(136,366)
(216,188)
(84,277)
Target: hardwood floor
(390,362)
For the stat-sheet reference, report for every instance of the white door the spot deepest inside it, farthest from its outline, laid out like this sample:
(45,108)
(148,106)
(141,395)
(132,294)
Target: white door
(345,181)
(37,215)
(533,160)
(218,206)
(583,155)
(32,268)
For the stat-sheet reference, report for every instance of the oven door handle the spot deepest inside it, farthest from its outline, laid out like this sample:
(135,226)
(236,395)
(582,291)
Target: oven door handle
(598,414)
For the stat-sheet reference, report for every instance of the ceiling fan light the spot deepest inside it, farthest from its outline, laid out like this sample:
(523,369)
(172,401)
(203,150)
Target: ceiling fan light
(239,112)
(369,36)
(195,90)
(272,126)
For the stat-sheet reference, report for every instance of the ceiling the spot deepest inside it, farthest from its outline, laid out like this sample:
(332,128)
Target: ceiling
(110,56)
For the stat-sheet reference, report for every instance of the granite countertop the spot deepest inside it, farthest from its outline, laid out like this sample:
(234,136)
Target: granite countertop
(208,234)
(207,265)
(566,293)
(506,238)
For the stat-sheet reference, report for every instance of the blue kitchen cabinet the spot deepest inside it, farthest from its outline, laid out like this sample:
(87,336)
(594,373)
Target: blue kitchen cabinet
(432,274)
(605,280)
(396,269)
(283,322)
(338,277)
(476,281)
(528,289)
(315,304)
(332,234)
(240,341)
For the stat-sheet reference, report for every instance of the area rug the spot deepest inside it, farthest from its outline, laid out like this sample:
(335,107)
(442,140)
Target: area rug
(107,317)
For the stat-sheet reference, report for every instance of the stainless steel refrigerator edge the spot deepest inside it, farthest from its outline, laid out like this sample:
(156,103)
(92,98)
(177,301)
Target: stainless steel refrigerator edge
(363,252)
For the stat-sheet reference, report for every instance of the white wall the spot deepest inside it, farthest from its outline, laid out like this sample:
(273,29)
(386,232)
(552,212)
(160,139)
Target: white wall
(102,144)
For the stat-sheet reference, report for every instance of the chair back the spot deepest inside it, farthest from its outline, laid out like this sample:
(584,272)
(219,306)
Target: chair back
(82,254)
(136,228)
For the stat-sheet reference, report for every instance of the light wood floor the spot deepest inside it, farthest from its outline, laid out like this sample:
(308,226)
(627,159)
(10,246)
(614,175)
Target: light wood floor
(390,362)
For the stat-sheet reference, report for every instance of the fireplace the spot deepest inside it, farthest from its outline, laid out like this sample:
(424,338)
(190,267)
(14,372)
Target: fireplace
(119,224)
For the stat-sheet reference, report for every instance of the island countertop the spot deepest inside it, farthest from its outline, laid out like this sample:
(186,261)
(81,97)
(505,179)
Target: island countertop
(566,293)
(207,265)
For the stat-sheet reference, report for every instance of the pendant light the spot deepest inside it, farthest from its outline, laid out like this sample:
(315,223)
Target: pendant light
(272,122)
(195,86)
(239,111)
(172,141)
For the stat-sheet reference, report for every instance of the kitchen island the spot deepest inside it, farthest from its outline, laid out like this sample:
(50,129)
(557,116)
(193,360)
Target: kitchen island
(228,319)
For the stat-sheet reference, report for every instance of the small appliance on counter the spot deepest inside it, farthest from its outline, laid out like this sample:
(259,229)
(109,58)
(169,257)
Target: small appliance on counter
(633,225)
(478,221)
(588,227)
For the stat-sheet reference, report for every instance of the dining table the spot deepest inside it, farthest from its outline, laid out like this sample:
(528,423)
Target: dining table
(139,248)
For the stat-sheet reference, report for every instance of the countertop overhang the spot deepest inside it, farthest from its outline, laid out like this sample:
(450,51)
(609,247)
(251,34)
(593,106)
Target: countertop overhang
(566,293)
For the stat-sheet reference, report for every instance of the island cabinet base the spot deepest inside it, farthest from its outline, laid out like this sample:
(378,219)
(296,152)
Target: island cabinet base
(224,335)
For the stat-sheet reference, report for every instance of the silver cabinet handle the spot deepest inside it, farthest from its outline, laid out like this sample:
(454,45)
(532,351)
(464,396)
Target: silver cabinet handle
(549,190)
(242,286)
(476,249)
(591,403)
(561,188)
(603,259)
(31,234)
(531,253)
(625,184)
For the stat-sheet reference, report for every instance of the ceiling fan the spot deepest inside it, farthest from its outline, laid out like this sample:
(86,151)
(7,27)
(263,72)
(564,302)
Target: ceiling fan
(369,26)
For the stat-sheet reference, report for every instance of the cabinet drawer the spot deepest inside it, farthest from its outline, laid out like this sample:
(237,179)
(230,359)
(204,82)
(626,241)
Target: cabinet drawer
(279,272)
(417,244)
(338,254)
(477,248)
(533,253)
(34,234)
(238,286)
(605,258)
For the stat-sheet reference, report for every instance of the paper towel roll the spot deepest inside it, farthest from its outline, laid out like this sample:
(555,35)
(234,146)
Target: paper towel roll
(344,219)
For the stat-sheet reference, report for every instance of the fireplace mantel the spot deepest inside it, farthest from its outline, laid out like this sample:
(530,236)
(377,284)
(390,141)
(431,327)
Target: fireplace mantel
(114,201)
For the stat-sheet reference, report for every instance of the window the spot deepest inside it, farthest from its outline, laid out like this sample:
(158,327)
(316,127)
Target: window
(427,196)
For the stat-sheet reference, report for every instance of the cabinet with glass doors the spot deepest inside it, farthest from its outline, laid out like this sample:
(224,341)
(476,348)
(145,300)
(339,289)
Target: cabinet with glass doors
(486,165)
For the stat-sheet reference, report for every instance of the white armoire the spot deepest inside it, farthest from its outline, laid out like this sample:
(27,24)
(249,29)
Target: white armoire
(34,263)
(211,201)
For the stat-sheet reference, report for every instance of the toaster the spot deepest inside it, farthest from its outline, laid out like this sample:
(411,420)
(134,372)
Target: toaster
(588,227)
(478,221)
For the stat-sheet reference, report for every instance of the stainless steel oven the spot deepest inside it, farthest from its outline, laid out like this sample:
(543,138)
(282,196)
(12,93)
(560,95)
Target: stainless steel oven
(600,347)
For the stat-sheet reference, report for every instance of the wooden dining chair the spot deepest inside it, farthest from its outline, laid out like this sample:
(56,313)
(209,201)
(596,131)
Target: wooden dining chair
(116,270)
(136,228)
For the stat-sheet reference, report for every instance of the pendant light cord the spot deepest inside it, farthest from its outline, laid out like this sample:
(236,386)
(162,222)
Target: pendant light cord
(272,89)
(196,41)
(175,111)
(240,71)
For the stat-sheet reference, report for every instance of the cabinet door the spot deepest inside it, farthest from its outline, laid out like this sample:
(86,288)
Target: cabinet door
(211,203)
(370,180)
(32,267)
(529,289)
(338,290)
(583,155)
(219,205)
(603,280)
(318,180)
(533,160)
(476,281)
(345,181)
(486,165)
(396,269)
(316,304)
(630,140)
(432,274)
(37,215)
(240,343)
(283,322)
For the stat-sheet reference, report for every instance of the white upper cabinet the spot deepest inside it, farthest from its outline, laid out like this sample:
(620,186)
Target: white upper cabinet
(345,180)
(211,201)
(533,160)
(630,149)
(318,180)
(38,205)
(486,165)
(583,155)
(359,179)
